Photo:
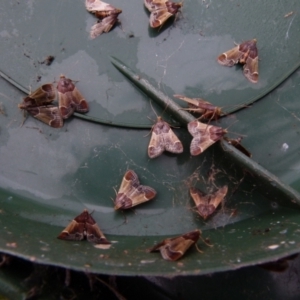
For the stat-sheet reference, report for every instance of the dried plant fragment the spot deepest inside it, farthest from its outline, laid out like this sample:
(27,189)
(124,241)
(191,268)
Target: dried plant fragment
(237,144)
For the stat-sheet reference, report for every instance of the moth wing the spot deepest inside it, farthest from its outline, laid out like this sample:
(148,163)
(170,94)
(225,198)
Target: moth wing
(218,196)
(129,183)
(48,115)
(230,57)
(156,145)
(73,232)
(197,196)
(95,235)
(172,142)
(104,25)
(65,104)
(159,17)
(129,180)
(142,194)
(43,95)
(79,102)
(251,69)
(97,5)
(153,5)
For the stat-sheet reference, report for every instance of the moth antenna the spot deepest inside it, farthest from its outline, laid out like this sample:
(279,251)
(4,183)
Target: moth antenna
(153,109)
(203,240)
(198,249)
(24,118)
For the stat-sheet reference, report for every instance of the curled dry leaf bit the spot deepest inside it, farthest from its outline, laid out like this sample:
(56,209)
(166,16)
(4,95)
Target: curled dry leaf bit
(161,11)
(203,136)
(207,204)
(163,139)
(246,53)
(38,104)
(174,248)
(83,226)
(69,98)
(202,107)
(131,193)
(237,144)
(107,14)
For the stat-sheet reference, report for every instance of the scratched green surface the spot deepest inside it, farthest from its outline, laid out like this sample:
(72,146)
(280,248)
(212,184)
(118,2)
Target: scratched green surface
(48,176)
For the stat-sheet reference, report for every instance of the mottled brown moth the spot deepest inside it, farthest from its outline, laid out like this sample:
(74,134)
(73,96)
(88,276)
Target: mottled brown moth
(37,105)
(202,107)
(161,11)
(203,136)
(206,204)
(44,95)
(174,248)
(83,227)
(69,98)
(246,53)
(163,139)
(131,193)
(237,144)
(49,115)
(106,13)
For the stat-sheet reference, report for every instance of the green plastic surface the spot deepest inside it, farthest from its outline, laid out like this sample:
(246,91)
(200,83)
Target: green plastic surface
(49,176)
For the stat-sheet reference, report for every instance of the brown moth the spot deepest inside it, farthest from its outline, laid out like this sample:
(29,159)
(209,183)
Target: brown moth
(37,105)
(43,95)
(174,248)
(237,144)
(202,107)
(207,204)
(161,11)
(49,115)
(69,98)
(83,226)
(131,193)
(106,13)
(203,136)
(246,54)
(163,139)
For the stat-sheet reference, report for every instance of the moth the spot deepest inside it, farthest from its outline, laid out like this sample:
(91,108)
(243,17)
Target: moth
(163,139)
(174,248)
(106,13)
(161,11)
(203,136)
(69,98)
(131,193)
(237,144)
(49,115)
(246,53)
(202,107)
(83,227)
(38,104)
(44,95)
(207,203)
